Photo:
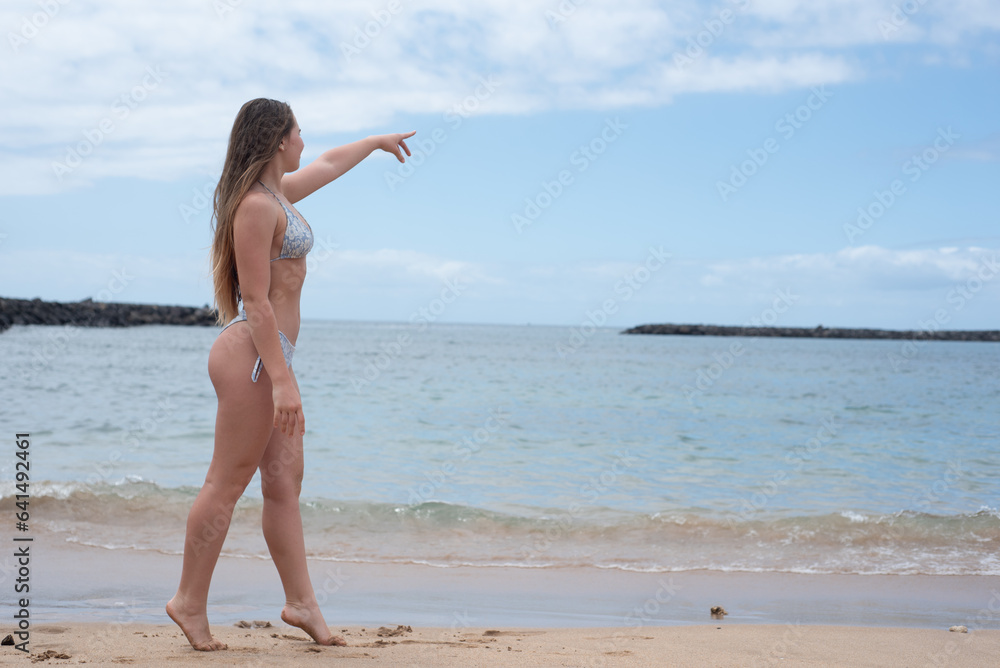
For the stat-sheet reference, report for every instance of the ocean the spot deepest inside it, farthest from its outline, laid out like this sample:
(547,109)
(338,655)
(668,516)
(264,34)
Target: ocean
(535,447)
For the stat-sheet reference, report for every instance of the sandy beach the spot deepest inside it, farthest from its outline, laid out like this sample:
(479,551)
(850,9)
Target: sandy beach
(104,608)
(718,644)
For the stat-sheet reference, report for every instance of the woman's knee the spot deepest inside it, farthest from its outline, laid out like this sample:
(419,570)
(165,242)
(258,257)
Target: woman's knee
(280,491)
(228,487)
(228,477)
(280,480)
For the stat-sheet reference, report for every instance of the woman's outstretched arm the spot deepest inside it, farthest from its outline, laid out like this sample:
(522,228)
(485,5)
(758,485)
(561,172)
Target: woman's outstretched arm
(336,162)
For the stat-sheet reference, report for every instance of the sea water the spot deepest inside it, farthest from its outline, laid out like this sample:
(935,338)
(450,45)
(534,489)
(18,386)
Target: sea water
(536,447)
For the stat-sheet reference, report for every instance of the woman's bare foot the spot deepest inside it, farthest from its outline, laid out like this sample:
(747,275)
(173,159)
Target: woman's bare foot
(310,620)
(195,627)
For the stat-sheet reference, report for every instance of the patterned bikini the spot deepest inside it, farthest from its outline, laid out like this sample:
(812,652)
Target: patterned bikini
(298,241)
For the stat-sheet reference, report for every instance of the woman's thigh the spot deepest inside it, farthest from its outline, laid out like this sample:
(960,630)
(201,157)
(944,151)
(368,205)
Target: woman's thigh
(245,416)
(281,465)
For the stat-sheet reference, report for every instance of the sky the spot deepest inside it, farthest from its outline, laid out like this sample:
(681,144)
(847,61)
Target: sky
(781,162)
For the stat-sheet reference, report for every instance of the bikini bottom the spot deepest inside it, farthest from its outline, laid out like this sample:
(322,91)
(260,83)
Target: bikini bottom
(286,346)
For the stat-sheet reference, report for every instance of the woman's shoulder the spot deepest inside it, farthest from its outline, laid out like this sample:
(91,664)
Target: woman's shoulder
(257,208)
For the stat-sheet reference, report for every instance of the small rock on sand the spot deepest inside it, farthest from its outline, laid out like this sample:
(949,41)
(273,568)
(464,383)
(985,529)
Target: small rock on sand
(718,612)
(49,654)
(959,629)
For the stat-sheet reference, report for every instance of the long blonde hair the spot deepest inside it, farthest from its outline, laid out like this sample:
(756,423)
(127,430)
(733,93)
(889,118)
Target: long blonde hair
(257,132)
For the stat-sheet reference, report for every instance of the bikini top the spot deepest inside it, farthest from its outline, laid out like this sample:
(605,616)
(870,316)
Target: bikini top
(298,239)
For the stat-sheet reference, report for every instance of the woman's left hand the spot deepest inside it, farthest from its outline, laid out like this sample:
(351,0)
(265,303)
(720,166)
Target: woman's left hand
(392,143)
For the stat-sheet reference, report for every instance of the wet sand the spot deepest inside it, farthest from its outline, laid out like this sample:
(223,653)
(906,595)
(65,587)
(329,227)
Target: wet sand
(76,583)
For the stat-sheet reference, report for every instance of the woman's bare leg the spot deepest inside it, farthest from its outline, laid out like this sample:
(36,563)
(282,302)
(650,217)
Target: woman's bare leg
(281,482)
(242,429)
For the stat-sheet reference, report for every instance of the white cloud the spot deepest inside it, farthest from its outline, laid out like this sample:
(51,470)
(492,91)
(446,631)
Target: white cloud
(66,74)
(69,275)
(712,74)
(866,286)
(868,268)
(982,150)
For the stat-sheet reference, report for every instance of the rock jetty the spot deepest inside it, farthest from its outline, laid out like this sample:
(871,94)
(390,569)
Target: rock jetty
(819,332)
(89,313)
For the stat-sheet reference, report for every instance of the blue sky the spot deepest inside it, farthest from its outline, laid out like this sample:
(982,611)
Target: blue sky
(616,162)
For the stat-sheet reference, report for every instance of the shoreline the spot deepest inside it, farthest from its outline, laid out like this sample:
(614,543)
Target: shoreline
(73,582)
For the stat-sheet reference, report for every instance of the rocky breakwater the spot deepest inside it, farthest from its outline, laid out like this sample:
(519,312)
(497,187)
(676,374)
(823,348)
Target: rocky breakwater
(89,313)
(819,332)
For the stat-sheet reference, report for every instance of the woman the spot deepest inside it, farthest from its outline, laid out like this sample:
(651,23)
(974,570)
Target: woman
(259,259)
